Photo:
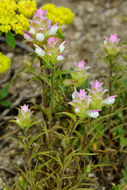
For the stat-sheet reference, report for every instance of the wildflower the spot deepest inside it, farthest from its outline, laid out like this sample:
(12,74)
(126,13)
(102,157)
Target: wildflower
(80,74)
(54,49)
(27,7)
(80,102)
(24,116)
(19,23)
(113,39)
(5,63)
(90,104)
(96,92)
(111,45)
(14,15)
(41,28)
(59,15)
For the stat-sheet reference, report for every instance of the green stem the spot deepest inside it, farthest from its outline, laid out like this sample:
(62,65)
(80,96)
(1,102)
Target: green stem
(110,77)
(65,154)
(52,98)
(43,87)
(110,93)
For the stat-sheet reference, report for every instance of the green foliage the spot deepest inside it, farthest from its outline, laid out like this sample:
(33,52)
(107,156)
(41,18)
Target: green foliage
(3,95)
(10,39)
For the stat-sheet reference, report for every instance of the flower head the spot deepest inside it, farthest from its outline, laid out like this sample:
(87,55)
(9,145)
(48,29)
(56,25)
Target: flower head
(24,108)
(111,45)
(79,74)
(113,39)
(59,15)
(5,63)
(97,86)
(24,116)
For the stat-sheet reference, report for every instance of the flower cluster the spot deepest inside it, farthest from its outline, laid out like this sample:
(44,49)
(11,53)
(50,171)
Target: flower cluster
(89,105)
(111,45)
(24,116)
(14,15)
(44,38)
(61,15)
(27,7)
(80,74)
(5,63)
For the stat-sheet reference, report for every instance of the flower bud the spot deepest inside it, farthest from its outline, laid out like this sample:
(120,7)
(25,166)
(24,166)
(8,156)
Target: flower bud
(40,52)
(53,30)
(32,31)
(60,58)
(93,113)
(39,37)
(24,116)
(110,100)
(28,37)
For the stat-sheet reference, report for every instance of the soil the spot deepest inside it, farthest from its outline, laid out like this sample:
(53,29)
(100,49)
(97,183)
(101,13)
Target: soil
(93,20)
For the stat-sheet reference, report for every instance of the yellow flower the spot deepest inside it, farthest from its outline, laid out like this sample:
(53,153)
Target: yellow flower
(27,7)
(19,23)
(14,15)
(61,15)
(5,63)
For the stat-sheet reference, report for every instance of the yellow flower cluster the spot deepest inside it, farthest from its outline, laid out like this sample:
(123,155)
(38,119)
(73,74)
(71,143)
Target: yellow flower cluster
(14,15)
(61,15)
(27,8)
(5,63)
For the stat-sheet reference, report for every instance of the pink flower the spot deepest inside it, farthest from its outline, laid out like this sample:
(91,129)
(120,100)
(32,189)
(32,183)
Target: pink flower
(112,39)
(24,108)
(81,66)
(52,41)
(97,86)
(40,13)
(82,95)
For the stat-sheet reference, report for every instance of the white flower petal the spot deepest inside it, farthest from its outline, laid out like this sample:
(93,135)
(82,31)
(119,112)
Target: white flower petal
(32,31)
(60,58)
(53,30)
(109,101)
(40,52)
(93,114)
(39,37)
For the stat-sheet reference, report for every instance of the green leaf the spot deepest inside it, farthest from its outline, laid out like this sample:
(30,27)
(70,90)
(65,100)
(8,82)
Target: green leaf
(60,34)
(4,92)
(0,33)
(5,103)
(10,39)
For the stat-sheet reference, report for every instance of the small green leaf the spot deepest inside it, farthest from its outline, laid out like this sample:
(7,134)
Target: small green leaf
(6,103)
(60,34)
(4,92)
(10,39)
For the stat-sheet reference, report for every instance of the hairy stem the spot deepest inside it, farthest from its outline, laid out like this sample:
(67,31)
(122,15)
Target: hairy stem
(110,78)
(52,98)
(110,92)
(43,86)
